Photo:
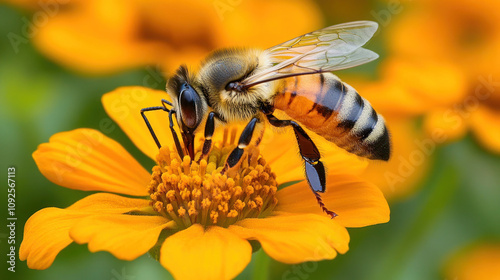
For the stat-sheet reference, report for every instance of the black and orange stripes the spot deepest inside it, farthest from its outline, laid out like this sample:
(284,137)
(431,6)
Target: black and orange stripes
(335,111)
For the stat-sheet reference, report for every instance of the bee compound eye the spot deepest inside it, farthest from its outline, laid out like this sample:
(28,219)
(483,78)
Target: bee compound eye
(188,100)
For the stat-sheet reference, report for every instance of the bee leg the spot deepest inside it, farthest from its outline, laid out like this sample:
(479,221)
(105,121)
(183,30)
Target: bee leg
(323,207)
(143,111)
(259,138)
(209,131)
(315,170)
(153,134)
(178,146)
(174,134)
(165,101)
(245,138)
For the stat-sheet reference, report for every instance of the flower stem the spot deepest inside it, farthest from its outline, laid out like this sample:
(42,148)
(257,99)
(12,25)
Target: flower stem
(261,266)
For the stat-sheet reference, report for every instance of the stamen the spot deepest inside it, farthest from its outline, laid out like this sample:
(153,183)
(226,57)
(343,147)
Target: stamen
(189,192)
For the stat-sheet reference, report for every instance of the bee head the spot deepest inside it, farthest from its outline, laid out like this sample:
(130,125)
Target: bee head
(190,107)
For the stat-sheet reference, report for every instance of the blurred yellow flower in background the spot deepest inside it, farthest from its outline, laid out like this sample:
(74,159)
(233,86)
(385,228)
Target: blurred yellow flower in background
(463,32)
(105,36)
(192,212)
(475,263)
(442,67)
(463,38)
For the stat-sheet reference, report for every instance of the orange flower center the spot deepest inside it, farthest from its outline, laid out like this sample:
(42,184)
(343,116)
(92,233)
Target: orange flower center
(189,192)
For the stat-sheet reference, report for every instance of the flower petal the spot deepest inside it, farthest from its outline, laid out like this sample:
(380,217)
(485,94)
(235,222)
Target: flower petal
(46,232)
(125,236)
(104,203)
(85,159)
(486,126)
(195,253)
(281,152)
(124,106)
(296,238)
(45,235)
(358,203)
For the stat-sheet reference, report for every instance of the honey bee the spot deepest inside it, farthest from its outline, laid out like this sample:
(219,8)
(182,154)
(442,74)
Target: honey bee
(293,77)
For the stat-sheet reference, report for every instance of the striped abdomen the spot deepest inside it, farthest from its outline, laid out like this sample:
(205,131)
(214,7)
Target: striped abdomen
(334,110)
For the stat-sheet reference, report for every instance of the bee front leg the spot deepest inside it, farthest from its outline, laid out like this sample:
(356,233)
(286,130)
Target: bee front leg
(315,170)
(153,134)
(209,132)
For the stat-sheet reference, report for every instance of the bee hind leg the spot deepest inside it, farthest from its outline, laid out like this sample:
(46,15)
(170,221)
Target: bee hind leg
(315,170)
(323,207)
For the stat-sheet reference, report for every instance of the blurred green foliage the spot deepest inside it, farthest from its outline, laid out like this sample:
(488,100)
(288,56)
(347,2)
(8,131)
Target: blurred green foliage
(456,207)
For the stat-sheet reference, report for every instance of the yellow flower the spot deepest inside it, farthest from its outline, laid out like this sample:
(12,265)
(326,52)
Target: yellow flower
(462,35)
(197,221)
(477,263)
(105,36)
(464,32)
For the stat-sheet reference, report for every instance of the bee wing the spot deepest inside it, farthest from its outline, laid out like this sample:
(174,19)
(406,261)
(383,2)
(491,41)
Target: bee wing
(325,62)
(328,49)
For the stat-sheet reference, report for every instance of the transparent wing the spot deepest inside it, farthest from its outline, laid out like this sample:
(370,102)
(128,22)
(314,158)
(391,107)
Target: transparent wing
(325,62)
(328,49)
(338,39)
